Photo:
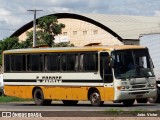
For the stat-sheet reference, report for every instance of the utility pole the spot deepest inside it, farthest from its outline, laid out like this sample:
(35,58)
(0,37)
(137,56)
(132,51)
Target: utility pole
(34,26)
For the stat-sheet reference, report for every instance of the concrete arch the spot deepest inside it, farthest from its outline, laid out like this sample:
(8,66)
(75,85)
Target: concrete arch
(73,16)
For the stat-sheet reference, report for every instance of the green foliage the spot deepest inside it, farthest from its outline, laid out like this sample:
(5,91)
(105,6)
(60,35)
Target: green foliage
(48,28)
(9,43)
(0,59)
(12,99)
(63,44)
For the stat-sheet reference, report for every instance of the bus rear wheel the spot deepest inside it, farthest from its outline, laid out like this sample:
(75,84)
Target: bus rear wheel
(70,102)
(38,97)
(95,99)
(128,102)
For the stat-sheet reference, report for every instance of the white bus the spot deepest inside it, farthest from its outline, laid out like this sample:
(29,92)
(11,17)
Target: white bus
(71,74)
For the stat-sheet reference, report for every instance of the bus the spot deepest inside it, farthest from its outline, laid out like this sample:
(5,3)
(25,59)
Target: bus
(70,74)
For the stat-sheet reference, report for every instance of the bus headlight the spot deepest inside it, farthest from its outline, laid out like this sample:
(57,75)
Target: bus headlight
(122,87)
(152,85)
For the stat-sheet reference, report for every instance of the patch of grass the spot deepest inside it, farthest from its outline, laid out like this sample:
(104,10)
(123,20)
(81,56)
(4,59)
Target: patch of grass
(4,99)
(113,111)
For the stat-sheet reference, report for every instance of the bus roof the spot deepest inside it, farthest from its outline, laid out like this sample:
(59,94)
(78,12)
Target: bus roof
(73,49)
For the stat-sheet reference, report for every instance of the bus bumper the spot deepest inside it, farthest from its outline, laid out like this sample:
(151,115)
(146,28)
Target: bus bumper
(138,94)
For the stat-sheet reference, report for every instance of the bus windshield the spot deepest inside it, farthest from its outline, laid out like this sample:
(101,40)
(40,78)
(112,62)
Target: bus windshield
(132,64)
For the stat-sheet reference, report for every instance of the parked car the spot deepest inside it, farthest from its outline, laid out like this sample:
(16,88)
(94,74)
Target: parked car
(1,85)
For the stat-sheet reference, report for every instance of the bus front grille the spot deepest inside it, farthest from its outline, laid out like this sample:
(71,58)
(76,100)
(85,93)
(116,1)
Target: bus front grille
(138,86)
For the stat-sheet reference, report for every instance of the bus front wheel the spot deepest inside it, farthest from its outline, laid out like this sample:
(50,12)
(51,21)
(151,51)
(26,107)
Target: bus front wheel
(156,99)
(39,98)
(128,102)
(95,99)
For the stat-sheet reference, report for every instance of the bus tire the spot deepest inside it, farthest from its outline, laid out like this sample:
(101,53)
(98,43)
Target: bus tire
(1,93)
(38,97)
(155,99)
(128,102)
(95,98)
(70,102)
(144,100)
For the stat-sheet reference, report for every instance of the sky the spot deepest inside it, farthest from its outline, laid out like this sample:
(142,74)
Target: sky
(14,14)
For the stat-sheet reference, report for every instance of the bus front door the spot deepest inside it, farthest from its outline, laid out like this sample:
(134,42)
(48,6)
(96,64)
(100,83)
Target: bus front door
(107,76)
(105,68)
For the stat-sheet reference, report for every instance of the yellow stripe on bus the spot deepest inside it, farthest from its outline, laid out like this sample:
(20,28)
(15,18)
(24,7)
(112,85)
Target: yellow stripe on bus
(59,92)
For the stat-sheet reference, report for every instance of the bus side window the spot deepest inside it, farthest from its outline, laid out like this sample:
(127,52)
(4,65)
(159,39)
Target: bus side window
(52,62)
(7,63)
(90,61)
(63,62)
(34,62)
(18,63)
(81,66)
(70,62)
(76,62)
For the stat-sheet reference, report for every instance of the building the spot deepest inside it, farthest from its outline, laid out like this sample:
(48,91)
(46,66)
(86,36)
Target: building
(83,29)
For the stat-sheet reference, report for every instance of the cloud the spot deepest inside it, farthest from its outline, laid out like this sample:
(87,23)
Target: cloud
(157,13)
(14,14)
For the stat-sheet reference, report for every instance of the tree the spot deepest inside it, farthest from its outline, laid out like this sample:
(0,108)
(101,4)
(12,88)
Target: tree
(7,44)
(63,44)
(48,28)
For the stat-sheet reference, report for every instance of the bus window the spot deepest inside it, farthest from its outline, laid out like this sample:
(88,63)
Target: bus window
(70,62)
(105,68)
(63,62)
(18,63)
(76,62)
(52,62)
(7,63)
(90,62)
(81,68)
(34,62)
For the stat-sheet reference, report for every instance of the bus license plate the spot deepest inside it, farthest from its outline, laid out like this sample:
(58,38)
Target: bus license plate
(139,96)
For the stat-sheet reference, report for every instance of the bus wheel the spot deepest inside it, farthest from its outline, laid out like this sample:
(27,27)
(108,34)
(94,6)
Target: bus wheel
(128,102)
(95,99)
(1,93)
(39,98)
(70,102)
(155,99)
(144,100)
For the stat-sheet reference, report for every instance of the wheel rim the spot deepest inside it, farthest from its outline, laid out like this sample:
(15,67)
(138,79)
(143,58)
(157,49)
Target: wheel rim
(95,98)
(152,99)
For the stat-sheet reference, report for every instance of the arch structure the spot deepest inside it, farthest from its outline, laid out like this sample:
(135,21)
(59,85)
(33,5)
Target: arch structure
(115,29)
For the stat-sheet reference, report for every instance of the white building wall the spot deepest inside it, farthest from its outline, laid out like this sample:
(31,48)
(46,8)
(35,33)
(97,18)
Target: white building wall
(81,33)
